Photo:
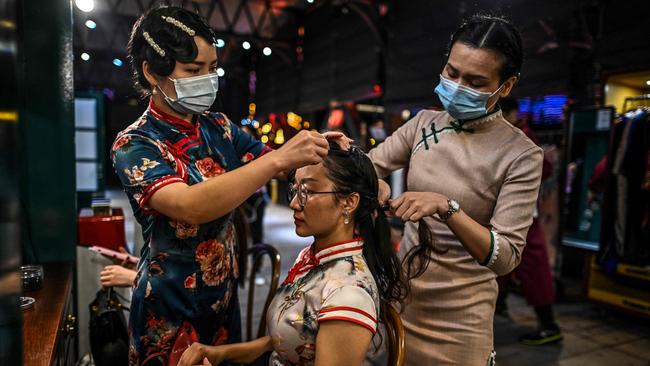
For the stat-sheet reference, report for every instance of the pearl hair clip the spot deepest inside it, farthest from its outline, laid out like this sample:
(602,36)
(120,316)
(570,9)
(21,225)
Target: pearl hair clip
(180,25)
(153,44)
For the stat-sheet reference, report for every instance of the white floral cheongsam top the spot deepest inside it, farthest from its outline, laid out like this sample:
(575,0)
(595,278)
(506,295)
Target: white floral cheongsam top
(333,283)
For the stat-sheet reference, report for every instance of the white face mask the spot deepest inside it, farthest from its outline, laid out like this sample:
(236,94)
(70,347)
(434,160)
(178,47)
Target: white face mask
(194,94)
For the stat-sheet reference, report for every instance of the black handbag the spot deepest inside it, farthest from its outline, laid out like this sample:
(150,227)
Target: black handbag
(109,340)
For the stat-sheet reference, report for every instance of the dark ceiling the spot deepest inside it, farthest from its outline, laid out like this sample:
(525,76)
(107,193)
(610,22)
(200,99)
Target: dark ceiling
(260,22)
(388,50)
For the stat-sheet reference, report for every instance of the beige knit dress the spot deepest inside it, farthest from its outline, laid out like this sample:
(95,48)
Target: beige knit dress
(493,170)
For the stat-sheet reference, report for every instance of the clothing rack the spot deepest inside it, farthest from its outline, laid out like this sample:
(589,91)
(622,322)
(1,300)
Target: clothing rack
(644,100)
(620,279)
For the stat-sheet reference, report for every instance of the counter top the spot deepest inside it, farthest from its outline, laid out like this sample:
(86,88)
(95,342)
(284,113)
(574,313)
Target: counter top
(43,322)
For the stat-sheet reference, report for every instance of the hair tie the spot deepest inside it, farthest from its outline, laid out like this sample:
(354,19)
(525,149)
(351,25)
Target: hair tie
(153,44)
(180,25)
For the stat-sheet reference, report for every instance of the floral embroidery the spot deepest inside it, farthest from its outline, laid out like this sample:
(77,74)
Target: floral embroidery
(133,355)
(121,142)
(160,335)
(190,282)
(337,285)
(292,299)
(136,174)
(231,243)
(209,168)
(309,322)
(247,157)
(184,230)
(155,267)
(221,304)
(221,337)
(214,261)
(151,153)
(166,154)
(225,124)
(307,353)
(148,164)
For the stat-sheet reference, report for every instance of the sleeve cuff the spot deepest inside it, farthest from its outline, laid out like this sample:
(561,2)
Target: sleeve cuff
(265,151)
(350,314)
(154,187)
(494,249)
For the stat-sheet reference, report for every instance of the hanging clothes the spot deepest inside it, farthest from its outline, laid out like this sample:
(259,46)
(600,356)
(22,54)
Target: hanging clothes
(626,219)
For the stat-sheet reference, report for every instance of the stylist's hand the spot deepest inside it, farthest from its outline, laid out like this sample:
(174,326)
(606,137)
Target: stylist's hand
(412,206)
(340,139)
(384,192)
(200,354)
(117,276)
(307,147)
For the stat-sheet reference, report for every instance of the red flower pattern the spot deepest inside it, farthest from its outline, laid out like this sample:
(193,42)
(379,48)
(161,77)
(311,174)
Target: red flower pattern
(190,282)
(121,142)
(221,337)
(209,168)
(214,261)
(247,157)
(184,230)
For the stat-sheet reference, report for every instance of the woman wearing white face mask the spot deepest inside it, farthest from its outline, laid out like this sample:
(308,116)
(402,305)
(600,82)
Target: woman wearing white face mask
(184,170)
(474,179)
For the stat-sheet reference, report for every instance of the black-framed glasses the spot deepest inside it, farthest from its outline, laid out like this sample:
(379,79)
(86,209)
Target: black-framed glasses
(302,193)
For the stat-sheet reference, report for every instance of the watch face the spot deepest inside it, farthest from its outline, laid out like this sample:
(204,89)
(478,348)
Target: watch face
(454,205)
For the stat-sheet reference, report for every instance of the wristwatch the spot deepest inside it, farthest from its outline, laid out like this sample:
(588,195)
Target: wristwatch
(453,208)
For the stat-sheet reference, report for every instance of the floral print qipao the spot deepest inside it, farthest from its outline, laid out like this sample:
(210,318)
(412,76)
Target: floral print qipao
(333,283)
(187,272)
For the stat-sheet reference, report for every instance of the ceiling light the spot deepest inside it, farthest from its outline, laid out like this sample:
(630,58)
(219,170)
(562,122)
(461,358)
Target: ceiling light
(647,82)
(246,45)
(91,24)
(117,62)
(220,43)
(85,56)
(85,5)
(267,51)
(221,72)
(310,1)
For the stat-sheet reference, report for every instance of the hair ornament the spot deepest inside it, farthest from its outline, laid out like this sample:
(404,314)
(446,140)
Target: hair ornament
(180,25)
(153,44)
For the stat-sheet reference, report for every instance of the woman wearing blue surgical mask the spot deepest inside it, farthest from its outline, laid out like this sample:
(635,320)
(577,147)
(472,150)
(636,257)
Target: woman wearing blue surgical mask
(184,170)
(473,179)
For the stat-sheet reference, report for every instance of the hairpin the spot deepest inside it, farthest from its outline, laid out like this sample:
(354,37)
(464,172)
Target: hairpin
(153,44)
(180,25)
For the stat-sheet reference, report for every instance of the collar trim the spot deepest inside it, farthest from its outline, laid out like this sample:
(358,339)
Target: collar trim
(179,123)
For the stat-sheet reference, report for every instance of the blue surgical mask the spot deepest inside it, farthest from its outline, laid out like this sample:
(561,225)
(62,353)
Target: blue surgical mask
(194,94)
(462,102)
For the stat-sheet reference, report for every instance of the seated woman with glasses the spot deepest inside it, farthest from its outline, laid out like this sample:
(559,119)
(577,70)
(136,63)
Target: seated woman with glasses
(326,310)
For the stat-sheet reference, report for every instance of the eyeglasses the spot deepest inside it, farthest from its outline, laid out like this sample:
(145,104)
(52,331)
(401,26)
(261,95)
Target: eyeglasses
(302,193)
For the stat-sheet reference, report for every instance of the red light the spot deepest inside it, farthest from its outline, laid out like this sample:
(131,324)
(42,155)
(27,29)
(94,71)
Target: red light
(376,89)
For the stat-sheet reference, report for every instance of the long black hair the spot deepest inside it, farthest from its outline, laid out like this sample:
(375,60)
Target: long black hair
(177,43)
(494,33)
(352,171)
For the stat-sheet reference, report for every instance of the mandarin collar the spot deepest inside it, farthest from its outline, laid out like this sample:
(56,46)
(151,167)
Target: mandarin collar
(181,124)
(311,258)
(339,250)
(481,121)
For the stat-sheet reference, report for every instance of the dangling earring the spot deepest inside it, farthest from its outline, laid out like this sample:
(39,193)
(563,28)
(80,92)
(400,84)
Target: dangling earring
(346,217)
